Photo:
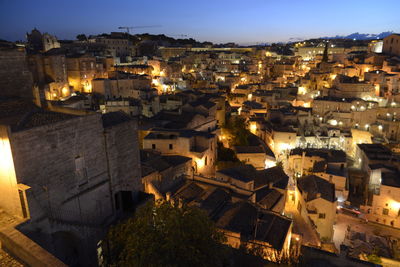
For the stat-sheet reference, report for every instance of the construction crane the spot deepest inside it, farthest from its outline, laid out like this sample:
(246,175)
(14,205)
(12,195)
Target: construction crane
(128,28)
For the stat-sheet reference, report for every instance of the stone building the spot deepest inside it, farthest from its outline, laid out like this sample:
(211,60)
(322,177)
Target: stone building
(391,45)
(243,223)
(345,86)
(68,175)
(384,205)
(121,87)
(41,42)
(200,146)
(319,202)
(15,77)
(83,68)
(49,71)
(118,45)
(160,174)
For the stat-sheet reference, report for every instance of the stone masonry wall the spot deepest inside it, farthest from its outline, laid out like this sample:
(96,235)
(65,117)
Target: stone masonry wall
(45,159)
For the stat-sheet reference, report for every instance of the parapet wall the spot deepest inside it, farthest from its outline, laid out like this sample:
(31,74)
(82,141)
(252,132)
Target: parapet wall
(27,251)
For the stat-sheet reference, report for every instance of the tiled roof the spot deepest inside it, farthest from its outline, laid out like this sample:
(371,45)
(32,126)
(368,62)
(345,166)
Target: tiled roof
(314,185)
(391,179)
(158,132)
(376,151)
(114,118)
(261,178)
(244,173)
(189,192)
(274,175)
(253,223)
(22,114)
(151,160)
(215,202)
(267,197)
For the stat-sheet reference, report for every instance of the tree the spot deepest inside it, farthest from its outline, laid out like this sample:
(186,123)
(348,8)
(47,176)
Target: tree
(226,157)
(226,154)
(286,258)
(164,234)
(81,37)
(238,129)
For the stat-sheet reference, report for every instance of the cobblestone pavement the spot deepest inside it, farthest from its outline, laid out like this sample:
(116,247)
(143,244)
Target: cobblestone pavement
(8,261)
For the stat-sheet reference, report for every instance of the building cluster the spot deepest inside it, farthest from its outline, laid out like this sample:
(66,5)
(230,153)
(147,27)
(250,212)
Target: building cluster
(265,143)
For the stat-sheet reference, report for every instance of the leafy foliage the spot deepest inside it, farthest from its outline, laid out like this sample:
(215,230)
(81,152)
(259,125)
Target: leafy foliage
(81,37)
(163,234)
(238,130)
(290,258)
(374,259)
(226,154)
(226,157)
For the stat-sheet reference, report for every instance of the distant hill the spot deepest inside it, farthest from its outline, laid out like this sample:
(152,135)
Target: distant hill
(362,36)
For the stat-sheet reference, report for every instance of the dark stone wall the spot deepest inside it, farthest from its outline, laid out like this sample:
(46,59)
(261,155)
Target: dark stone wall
(15,77)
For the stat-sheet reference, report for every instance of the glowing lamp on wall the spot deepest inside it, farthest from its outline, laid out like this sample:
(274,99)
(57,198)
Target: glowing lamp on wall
(199,163)
(269,163)
(87,87)
(333,122)
(65,91)
(395,205)
(253,128)
(302,90)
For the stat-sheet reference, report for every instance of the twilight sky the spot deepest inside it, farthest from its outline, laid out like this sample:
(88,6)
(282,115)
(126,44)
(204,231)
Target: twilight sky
(245,21)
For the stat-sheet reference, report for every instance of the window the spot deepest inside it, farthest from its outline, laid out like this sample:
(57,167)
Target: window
(171,146)
(385,211)
(205,161)
(321,216)
(153,146)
